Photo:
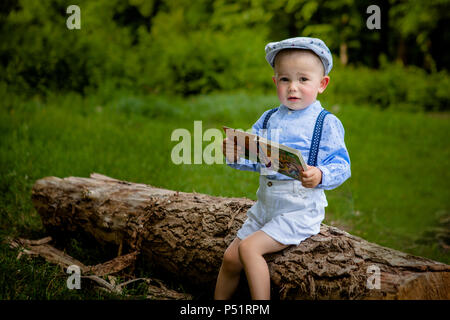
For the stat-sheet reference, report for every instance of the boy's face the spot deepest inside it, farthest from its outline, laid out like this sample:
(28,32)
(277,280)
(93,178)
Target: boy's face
(299,77)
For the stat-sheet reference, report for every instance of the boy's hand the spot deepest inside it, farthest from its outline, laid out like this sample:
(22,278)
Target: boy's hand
(233,153)
(311,177)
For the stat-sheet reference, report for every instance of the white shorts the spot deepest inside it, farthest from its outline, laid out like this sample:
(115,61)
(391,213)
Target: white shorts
(286,211)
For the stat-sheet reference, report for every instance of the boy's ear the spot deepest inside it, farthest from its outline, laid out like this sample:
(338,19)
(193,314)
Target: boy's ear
(324,83)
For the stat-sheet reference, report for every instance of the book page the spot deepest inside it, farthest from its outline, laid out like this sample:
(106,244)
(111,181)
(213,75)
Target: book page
(285,160)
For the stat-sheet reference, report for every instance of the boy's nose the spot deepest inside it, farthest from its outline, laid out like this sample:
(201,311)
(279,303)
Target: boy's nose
(292,87)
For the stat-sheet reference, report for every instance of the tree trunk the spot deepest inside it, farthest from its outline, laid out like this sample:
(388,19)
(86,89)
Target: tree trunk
(401,51)
(186,235)
(343,56)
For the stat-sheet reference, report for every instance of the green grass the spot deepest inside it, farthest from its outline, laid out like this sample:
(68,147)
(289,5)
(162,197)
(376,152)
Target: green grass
(398,191)
(34,278)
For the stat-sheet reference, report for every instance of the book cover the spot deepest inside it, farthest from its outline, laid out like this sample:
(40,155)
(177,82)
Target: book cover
(274,156)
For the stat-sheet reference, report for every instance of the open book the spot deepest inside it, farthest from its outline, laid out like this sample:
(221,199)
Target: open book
(274,156)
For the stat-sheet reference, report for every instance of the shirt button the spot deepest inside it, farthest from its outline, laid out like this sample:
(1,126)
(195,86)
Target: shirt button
(289,112)
(269,183)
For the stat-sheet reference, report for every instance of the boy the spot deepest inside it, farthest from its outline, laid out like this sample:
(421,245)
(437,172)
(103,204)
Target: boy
(287,211)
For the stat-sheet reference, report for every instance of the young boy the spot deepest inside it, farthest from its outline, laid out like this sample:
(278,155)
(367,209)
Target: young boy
(287,211)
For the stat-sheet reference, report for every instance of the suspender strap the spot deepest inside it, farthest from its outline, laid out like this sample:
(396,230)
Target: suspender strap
(264,127)
(266,119)
(317,135)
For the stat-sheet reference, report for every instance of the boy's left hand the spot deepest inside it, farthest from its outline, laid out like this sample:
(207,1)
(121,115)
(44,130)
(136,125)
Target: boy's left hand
(311,177)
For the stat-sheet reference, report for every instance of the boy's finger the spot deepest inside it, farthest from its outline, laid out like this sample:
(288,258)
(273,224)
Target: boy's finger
(228,140)
(227,144)
(305,184)
(307,174)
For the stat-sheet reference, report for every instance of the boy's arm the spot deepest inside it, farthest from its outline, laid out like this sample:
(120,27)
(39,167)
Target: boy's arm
(333,158)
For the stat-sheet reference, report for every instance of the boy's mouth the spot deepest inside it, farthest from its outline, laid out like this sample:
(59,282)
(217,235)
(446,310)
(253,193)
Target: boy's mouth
(293,98)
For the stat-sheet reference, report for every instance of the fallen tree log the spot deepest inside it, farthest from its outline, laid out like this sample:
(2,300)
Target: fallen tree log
(186,234)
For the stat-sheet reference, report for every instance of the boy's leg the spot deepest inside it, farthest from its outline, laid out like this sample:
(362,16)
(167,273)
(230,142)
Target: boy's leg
(230,272)
(251,251)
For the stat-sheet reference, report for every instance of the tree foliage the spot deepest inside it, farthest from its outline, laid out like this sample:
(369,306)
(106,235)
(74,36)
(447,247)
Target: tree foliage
(190,47)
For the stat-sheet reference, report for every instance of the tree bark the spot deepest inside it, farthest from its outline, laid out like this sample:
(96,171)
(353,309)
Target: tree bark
(186,234)
(343,56)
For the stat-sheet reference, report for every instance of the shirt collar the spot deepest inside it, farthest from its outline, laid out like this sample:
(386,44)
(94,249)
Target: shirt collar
(316,104)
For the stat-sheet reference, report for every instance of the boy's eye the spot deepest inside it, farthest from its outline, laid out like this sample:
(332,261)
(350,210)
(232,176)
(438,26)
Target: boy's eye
(284,79)
(303,79)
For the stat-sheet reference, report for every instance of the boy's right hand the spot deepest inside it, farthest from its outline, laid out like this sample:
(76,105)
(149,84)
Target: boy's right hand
(233,152)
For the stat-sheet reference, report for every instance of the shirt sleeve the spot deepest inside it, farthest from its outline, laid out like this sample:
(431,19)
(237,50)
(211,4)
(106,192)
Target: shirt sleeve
(333,158)
(245,164)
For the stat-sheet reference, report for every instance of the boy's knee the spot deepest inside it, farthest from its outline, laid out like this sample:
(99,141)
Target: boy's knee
(245,249)
(231,260)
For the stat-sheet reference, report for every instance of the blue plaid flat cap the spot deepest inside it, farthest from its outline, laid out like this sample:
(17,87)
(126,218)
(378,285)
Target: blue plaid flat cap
(313,44)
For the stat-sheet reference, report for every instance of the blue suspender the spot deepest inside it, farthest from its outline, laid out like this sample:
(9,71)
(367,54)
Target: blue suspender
(266,119)
(317,134)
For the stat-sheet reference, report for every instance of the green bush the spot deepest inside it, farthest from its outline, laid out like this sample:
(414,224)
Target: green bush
(392,86)
(202,62)
(180,49)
